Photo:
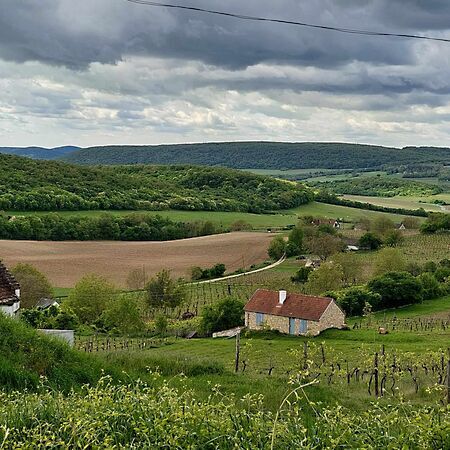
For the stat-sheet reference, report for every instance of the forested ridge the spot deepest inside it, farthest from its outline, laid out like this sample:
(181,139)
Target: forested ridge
(379,187)
(31,185)
(264,155)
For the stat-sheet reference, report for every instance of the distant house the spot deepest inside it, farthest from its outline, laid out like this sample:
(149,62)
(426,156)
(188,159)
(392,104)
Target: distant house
(9,292)
(45,303)
(295,314)
(313,263)
(331,222)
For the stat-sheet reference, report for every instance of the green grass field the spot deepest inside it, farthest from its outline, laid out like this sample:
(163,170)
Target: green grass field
(404,202)
(280,219)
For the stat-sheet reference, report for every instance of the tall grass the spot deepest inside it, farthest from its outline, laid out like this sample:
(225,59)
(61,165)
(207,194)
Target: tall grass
(139,416)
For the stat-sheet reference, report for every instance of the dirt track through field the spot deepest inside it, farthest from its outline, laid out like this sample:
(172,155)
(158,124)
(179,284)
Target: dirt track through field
(66,262)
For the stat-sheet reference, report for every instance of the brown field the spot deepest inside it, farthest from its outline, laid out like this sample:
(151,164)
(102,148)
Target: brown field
(66,262)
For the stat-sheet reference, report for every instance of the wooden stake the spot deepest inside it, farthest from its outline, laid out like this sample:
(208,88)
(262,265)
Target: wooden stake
(238,351)
(448,382)
(377,392)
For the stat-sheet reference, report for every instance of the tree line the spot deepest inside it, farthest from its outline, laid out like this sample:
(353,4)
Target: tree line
(131,227)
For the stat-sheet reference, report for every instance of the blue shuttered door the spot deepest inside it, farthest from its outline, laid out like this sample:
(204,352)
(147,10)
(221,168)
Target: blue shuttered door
(259,318)
(303,326)
(291,325)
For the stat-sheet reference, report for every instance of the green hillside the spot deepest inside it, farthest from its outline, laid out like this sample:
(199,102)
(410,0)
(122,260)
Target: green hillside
(264,155)
(30,185)
(27,357)
(379,187)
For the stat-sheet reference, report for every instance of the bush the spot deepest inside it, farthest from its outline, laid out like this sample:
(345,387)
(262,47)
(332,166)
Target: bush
(161,324)
(223,315)
(431,287)
(277,248)
(370,241)
(163,291)
(295,242)
(34,285)
(123,315)
(389,260)
(302,275)
(396,289)
(89,298)
(217,271)
(353,300)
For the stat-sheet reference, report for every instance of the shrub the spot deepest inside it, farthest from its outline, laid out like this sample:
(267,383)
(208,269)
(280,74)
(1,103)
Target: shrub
(164,291)
(394,238)
(353,300)
(89,298)
(277,248)
(302,275)
(389,260)
(430,286)
(227,313)
(370,241)
(123,315)
(161,324)
(396,289)
(34,285)
(217,271)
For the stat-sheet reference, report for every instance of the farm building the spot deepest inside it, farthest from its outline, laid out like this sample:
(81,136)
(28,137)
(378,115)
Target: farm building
(9,292)
(295,314)
(330,222)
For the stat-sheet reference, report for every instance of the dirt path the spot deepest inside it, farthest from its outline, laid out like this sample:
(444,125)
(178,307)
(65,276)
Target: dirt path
(66,262)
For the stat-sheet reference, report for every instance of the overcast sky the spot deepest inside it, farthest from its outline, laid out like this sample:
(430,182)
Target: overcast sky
(94,72)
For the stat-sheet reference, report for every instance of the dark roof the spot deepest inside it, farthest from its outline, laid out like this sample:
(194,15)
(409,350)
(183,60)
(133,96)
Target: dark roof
(45,303)
(8,286)
(299,306)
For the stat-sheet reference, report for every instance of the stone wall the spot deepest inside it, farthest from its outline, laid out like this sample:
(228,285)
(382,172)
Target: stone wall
(333,317)
(273,322)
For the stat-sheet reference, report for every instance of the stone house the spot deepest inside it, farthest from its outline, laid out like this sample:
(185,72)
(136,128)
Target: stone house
(295,314)
(9,292)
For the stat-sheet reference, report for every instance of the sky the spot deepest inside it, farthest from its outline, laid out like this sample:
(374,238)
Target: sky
(99,72)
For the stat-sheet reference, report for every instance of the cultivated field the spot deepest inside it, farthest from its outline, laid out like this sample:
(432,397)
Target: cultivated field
(66,262)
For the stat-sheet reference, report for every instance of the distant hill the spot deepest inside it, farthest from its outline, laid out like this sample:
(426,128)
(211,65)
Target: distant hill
(264,155)
(29,185)
(40,152)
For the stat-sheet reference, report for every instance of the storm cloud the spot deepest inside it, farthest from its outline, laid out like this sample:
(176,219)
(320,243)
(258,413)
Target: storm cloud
(110,71)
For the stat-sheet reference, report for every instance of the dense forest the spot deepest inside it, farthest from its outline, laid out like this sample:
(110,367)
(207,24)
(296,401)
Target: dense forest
(39,152)
(133,227)
(30,185)
(379,187)
(264,155)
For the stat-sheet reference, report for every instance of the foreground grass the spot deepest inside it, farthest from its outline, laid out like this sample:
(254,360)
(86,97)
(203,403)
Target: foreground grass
(149,416)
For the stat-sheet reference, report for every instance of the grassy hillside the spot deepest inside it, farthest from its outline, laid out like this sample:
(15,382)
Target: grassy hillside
(27,357)
(29,185)
(263,155)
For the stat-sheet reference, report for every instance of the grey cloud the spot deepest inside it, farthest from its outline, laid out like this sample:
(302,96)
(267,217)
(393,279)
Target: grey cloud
(76,34)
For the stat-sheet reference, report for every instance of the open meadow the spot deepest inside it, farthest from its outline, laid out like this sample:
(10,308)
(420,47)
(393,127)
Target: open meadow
(405,202)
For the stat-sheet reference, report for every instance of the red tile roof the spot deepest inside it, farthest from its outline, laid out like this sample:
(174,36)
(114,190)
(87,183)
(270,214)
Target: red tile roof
(300,306)
(8,286)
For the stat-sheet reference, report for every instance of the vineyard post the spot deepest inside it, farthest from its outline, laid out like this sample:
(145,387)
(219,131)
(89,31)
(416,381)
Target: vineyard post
(376,375)
(238,350)
(448,382)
